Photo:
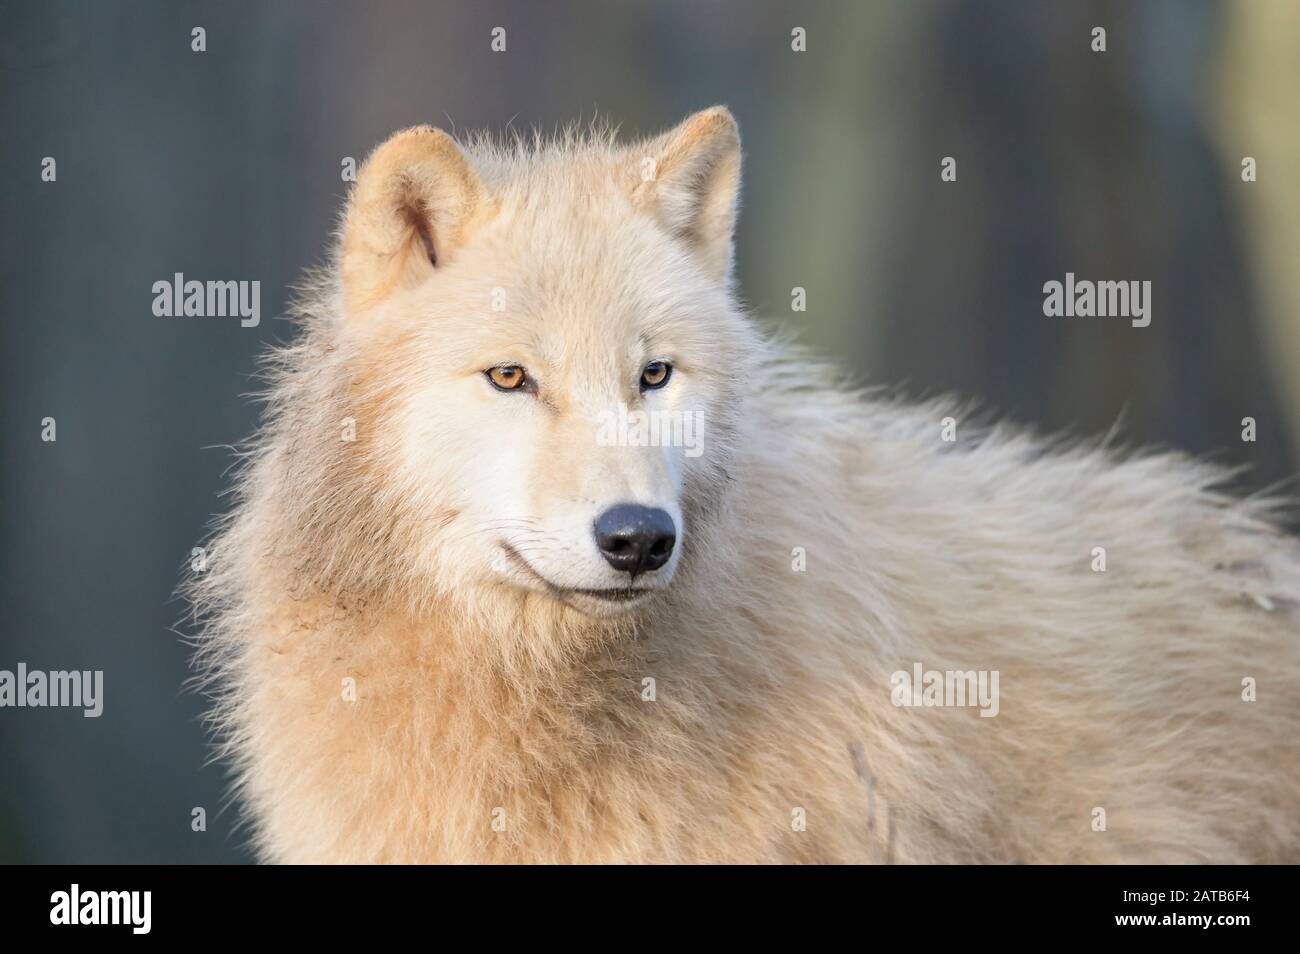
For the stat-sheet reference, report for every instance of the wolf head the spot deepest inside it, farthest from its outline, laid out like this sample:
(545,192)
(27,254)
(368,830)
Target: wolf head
(537,362)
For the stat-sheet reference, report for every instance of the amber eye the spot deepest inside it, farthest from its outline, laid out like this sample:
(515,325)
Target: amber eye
(507,377)
(655,375)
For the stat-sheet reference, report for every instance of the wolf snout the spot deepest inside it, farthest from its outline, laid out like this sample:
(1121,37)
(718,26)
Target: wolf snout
(635,539)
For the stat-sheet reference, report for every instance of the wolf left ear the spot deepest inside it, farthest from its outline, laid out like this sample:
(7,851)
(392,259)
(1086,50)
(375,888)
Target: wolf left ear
(411,207)
(689,179)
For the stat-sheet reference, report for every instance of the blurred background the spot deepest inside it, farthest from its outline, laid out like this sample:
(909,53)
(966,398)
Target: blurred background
(225,164)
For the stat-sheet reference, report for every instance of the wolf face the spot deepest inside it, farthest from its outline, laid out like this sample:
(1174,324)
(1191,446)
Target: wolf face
(546,353)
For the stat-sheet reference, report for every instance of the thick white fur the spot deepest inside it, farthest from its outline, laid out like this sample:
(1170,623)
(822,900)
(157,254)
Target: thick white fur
(481,696)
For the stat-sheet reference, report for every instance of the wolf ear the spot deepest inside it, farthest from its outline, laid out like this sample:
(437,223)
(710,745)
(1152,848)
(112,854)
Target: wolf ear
(409,210)
(689,179)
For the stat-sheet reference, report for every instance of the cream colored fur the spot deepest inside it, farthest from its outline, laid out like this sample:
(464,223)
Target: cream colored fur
(483,696)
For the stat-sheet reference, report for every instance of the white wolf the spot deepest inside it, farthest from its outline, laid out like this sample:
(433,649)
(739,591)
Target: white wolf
(446,622)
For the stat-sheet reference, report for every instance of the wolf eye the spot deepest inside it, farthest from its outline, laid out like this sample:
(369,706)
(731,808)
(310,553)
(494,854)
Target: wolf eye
(507,377)
(655,375)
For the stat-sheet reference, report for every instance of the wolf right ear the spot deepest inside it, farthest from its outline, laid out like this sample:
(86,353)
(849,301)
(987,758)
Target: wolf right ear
(689,179)
(413,200)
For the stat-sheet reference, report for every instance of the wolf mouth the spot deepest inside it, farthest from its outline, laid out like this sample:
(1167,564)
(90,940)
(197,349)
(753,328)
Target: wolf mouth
(620,594)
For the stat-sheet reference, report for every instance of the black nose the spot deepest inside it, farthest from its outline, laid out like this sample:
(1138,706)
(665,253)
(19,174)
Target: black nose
(635,539)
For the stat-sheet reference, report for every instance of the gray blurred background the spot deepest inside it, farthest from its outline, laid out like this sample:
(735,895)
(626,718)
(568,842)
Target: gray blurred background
(226,165)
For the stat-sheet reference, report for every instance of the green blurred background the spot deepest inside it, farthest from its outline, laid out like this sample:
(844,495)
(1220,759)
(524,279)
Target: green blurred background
(1122,165)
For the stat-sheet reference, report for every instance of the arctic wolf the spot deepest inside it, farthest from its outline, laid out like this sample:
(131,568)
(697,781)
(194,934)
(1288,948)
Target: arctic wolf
(455,617)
